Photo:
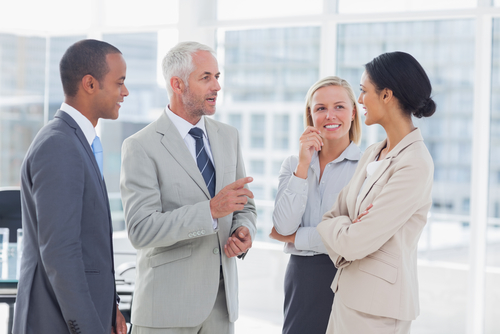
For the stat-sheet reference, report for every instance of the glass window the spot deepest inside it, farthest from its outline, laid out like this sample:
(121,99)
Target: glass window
(281,131)
(257,131)
(274,64)
(370,6)
(257,167)
(22,78)
(242,9)
(145,102)
(235,120)
(493,230)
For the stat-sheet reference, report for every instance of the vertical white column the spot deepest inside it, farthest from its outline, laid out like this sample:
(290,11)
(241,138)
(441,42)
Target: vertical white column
(328,46)
(197,20)
(480,171)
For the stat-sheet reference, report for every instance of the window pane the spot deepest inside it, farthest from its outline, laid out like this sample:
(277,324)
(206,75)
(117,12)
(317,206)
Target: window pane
(243,9)
(22,88)
(281,129)
(258,131)
(370,6)
(492,295)
(275,64)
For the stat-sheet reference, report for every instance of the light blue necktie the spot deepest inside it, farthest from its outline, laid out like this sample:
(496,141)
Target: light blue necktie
(203,161)
(97,149)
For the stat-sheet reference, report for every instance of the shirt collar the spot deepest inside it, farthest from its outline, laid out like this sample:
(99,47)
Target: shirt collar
(82,121)
(184,126)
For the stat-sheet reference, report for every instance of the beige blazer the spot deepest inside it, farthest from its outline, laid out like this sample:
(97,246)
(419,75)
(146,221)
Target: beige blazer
(167,212)
(377,257)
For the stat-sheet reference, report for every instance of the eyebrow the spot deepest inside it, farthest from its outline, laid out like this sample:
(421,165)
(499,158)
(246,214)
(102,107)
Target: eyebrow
(209,73)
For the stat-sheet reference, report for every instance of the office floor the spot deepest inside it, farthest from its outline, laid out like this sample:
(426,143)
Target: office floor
(443,294)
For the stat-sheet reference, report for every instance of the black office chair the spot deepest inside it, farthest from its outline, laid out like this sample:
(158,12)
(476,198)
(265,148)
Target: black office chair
(10,211)
(10,217)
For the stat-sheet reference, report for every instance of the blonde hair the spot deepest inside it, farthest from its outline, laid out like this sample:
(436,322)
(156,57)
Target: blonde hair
(355,130)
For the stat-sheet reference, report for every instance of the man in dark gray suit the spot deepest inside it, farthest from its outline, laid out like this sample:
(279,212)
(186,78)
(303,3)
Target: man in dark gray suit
(67,283)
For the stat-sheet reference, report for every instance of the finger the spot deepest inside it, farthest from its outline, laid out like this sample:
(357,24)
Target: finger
(240,183)
(228,252)
(368,207)
(244,232)
(310,129)
(236,246)
(243,192)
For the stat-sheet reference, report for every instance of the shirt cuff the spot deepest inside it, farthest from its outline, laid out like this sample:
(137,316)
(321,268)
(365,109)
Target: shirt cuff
(302,239)
(297,185)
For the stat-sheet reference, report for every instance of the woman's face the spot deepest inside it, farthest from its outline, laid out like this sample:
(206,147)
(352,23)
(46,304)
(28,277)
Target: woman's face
(332,112)
(371,101)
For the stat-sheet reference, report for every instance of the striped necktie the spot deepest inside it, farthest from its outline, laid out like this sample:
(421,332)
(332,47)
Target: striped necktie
(204,164)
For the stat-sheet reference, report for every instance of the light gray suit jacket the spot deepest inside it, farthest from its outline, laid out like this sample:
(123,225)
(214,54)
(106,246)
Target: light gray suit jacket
(377,257)
(67,282)
(167,212)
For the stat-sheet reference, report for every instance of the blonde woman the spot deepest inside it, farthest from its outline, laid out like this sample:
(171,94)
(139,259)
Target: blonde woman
(308,186)
(372,231)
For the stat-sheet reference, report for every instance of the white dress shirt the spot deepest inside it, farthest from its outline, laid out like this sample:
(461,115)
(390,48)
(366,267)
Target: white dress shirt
(301,203)
(82,121)
(184,127)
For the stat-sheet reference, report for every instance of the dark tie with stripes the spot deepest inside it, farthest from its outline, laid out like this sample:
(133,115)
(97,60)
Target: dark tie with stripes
(204,164)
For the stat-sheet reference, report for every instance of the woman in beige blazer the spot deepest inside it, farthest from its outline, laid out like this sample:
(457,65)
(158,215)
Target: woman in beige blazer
(372,231)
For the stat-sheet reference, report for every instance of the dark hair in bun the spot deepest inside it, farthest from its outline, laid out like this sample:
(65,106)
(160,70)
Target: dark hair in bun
(405,77)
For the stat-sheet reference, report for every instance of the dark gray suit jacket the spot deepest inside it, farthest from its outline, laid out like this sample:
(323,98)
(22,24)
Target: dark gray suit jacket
(67,276)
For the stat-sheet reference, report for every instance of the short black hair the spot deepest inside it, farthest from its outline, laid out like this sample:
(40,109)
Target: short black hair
(403,74)
(87,56)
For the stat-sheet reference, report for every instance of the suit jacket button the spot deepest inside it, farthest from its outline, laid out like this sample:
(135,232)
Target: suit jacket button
(202,232)
(216,250)
(190,235)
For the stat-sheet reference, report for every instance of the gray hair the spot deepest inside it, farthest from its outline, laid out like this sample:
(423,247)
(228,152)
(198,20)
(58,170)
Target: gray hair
(178,62)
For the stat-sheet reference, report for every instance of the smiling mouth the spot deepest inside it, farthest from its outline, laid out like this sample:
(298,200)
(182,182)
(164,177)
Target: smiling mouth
(332,126)
(212,99)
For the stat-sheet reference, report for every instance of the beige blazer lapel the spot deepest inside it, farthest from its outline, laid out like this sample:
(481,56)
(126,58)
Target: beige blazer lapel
(174,144)
(216,146)
(407,141)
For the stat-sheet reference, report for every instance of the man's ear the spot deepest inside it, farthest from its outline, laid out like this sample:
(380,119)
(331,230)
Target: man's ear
(177,85)
(89,84)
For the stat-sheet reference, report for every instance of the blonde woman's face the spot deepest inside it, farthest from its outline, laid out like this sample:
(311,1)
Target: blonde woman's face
(332,112)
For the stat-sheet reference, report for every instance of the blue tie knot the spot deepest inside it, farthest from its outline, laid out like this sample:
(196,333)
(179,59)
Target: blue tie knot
(196,133)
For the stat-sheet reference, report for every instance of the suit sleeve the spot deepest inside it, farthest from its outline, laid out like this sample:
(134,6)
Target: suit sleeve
(57,179)
(148,226)
(407,190)
(248,215)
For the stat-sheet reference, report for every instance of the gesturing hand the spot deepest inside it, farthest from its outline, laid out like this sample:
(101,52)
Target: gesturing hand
(362,214)
(231,198)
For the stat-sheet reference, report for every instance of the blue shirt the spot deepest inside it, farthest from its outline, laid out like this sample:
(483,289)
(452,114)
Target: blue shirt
(301,203)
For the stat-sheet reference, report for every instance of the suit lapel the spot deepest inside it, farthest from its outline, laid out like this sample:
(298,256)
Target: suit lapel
(174,144)
(217,148)
(83,140)
(410,138)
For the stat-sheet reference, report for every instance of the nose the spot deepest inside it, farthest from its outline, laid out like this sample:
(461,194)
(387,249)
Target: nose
(124,90)
(217,85)
(329,114)
(359,99)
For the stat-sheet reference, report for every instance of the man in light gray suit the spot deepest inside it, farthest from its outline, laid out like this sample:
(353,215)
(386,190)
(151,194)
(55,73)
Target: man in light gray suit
(187,207)
(67,281)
